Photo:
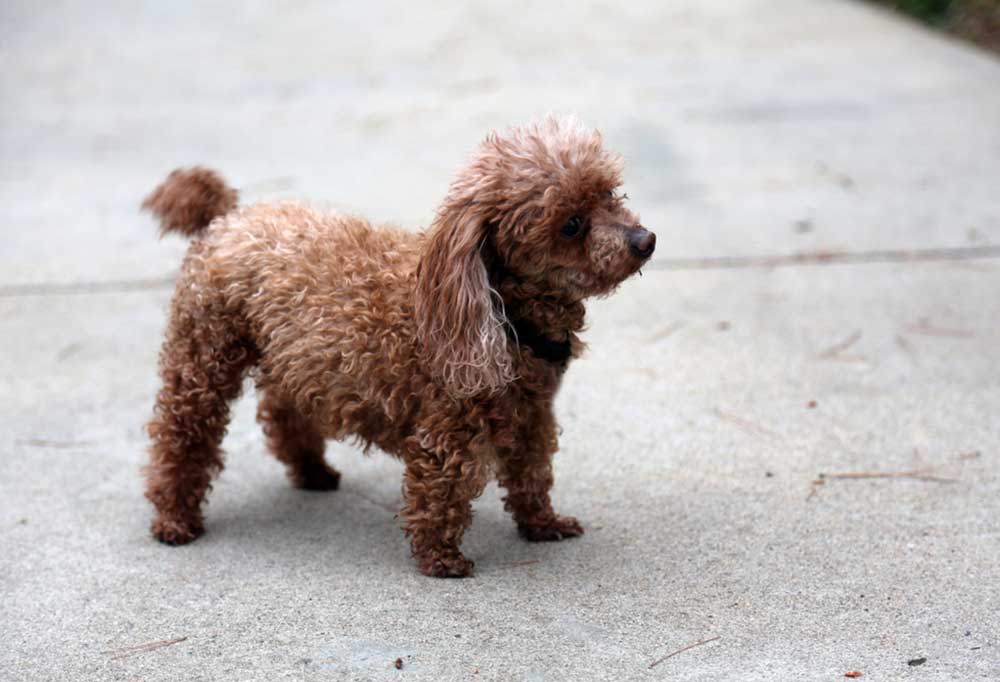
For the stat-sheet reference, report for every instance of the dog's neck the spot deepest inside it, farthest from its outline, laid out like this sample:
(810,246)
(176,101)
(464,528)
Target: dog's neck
(547,324)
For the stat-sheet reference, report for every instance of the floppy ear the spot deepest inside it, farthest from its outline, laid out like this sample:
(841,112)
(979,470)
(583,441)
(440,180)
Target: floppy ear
(460,322)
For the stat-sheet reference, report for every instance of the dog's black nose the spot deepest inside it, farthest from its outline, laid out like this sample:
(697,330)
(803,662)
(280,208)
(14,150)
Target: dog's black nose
(641,243)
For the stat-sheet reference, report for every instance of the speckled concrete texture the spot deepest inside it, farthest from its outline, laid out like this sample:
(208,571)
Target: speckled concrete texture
(798,460)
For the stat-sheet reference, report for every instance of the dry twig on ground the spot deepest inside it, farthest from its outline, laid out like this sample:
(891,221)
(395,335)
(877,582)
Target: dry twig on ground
(141,648)
(682,650)
(836,349)
(915,475)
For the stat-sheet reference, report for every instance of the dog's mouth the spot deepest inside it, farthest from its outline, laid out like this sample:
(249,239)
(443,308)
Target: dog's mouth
(579,284)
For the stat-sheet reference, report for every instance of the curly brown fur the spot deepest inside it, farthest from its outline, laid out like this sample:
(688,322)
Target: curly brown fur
(404,341)
(297,443)
(188,200)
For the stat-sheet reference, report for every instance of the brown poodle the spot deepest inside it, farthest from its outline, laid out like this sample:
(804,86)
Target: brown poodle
(444,348)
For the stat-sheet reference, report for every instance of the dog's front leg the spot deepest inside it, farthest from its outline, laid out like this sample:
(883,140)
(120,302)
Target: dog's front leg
(526,472)
(438,490)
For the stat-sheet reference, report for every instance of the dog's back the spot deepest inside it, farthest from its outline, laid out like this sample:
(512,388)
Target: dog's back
(329,301)
(323,301)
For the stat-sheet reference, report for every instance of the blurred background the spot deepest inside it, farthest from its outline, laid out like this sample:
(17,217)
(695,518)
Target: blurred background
(721,109)
(824,301)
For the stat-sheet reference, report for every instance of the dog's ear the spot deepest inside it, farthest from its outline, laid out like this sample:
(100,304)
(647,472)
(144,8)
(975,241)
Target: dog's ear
(460,319)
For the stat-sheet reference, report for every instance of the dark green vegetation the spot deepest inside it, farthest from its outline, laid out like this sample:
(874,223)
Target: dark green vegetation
(931,11)
(974,20)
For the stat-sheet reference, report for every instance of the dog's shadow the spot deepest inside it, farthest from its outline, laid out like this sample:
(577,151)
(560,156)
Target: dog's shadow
(358,524)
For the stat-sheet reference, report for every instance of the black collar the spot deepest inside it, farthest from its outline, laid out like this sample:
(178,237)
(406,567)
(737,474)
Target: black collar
(544,348)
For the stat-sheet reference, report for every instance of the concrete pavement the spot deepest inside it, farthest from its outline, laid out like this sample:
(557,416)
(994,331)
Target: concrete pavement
(696,429)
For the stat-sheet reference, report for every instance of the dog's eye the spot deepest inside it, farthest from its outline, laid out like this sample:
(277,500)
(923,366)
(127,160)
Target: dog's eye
(572,227)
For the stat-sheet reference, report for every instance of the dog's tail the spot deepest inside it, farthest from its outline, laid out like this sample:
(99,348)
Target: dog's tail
(189,199)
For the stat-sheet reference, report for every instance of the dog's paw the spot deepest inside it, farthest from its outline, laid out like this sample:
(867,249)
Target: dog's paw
(174,532)
(447,566)
(319,479)
(558,528)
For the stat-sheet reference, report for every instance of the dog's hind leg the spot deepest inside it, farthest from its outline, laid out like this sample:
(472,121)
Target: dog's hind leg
(202,364)
(294,440)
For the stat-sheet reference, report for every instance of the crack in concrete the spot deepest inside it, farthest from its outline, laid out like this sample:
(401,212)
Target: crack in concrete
(809,258)
(813,258)
(74,288)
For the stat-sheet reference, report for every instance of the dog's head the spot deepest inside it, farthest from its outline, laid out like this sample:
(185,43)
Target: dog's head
(539,203)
